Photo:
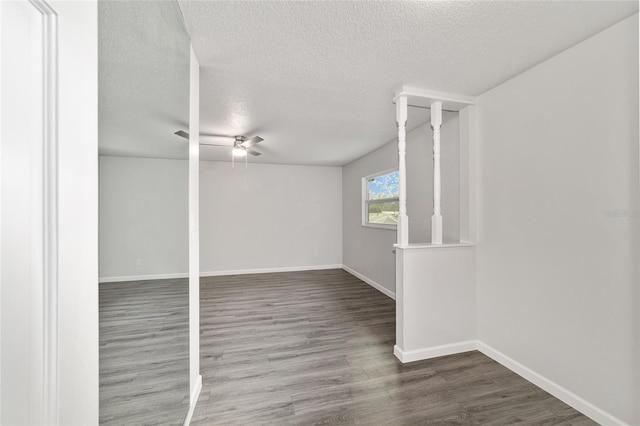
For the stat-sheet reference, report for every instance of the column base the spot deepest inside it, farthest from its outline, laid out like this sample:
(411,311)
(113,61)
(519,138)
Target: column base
(436,229)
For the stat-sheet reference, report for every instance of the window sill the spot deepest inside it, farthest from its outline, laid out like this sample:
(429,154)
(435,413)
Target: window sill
(380,226)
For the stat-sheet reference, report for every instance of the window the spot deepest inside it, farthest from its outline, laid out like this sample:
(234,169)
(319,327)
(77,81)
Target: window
(380,199)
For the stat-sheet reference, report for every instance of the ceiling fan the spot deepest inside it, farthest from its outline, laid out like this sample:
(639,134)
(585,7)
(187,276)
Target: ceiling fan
(241,145)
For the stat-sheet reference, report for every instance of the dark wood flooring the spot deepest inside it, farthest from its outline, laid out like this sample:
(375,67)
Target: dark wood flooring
(144,352)
(306,348)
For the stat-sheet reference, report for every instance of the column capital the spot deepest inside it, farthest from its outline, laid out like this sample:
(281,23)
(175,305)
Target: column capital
(436,114)
(401,110)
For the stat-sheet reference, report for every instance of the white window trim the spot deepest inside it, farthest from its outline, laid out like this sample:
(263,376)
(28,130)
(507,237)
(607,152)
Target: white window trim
(364,201)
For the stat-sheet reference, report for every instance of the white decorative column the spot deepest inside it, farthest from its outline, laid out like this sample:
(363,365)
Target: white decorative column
(195,378)
(403,219)
(428,277)
(436,219)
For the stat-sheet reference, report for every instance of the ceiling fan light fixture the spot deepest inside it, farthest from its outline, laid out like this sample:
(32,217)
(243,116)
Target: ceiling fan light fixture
(241,146)
(239,152)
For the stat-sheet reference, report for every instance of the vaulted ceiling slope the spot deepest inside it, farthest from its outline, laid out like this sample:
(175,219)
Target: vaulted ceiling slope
(315,78)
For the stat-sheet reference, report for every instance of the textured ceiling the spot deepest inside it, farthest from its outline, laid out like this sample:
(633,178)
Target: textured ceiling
(143,72)
(315,78)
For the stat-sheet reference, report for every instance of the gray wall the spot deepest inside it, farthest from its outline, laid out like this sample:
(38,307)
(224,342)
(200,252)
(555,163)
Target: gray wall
(557,278)
(369,251)
(268,217)
(143,215)
(265,217)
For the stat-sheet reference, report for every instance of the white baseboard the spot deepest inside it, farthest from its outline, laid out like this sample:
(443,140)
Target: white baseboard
(598,415)
(217,273)
(142,277)
(371,282)
(193,400)
(435,351)
(269,270)
(566,396)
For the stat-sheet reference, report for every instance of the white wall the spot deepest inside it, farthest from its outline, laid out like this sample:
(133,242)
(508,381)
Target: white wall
(436,304)
(557,278)
(259,218)
(369,251)
(78,213)
(143,215)
(269,216)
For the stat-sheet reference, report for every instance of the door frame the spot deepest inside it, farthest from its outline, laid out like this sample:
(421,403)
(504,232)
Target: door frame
(50,210)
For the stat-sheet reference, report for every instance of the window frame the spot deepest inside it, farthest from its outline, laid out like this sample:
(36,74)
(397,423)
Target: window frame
(366,201)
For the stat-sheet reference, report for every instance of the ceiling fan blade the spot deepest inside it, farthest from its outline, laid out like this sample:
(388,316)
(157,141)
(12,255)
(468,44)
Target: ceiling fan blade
(224,140)
(251,141)
(252,152)
(182,134)
(216,144)
(215,135)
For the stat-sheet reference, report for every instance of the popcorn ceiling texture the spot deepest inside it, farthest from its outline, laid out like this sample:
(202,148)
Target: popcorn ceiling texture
(143,72)
(316,78)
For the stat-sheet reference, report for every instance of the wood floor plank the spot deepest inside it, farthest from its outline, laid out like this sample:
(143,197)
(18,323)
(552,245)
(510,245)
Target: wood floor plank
(316,347)
(299,348)
(144,352)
